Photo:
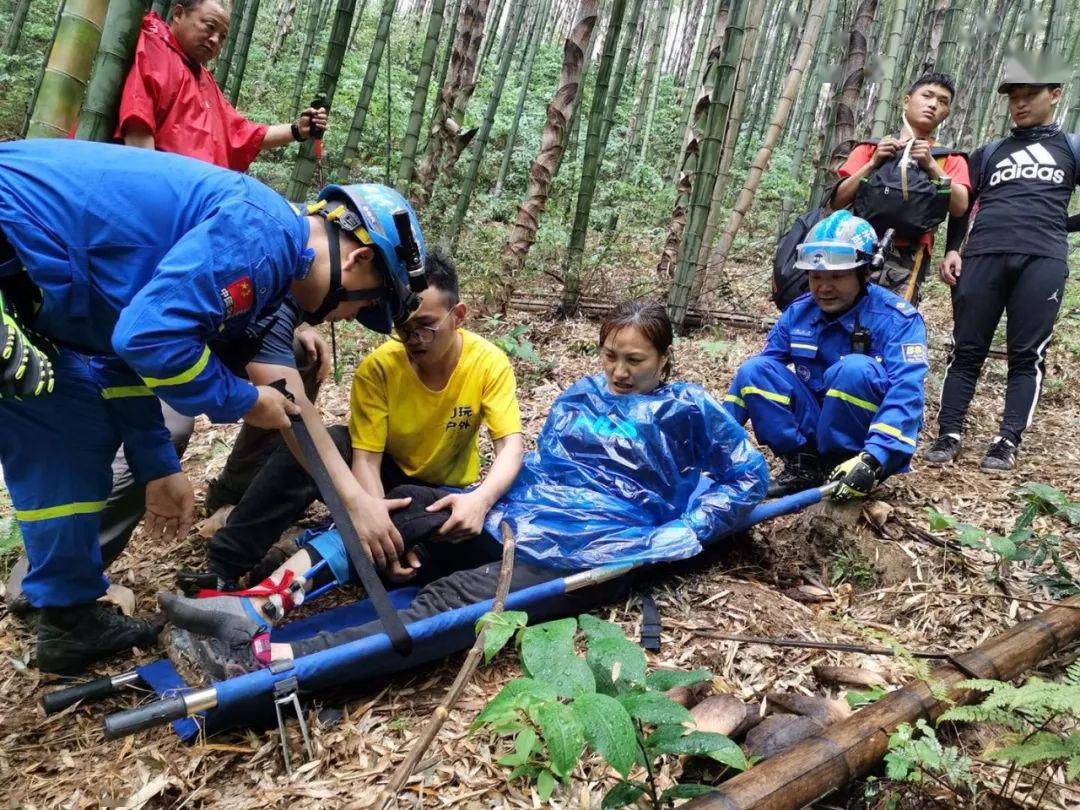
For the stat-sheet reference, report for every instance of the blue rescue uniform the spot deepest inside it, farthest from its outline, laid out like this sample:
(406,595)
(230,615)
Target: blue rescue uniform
(148,264)
(808,388)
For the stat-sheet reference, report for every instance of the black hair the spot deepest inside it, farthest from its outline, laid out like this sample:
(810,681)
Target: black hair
(442,275)
(943,79)
(650,318)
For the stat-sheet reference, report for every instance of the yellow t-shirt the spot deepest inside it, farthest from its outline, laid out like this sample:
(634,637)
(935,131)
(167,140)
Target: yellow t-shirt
(432,435)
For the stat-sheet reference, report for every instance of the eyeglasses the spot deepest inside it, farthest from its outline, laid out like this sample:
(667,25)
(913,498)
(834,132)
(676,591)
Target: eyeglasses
(420,334)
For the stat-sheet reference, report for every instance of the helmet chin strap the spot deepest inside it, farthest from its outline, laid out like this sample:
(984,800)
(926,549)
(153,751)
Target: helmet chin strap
(336,294)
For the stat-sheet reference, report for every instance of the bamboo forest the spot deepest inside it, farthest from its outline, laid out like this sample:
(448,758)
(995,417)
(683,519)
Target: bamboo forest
(527,403)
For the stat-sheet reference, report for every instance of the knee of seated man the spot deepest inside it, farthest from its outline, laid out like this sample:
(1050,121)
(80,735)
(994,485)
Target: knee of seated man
(759,367)
(855,370)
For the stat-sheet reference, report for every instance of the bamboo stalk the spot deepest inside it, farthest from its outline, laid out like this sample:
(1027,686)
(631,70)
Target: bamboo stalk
(363,103)
(97,121)
(420,94)
(63,84)
(826,761)
(776,127)
(468,667)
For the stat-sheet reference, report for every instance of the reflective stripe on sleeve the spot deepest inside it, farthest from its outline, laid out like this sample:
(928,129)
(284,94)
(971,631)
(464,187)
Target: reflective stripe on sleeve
(183,376)
(862,403)
(761,392)
(809,346)
(735,399)
(124,391)
(891,431)
(63,510)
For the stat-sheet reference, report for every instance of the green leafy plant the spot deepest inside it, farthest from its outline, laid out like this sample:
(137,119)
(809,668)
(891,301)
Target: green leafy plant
(917,755)
(1032,712)
(598,698)
(1023,544)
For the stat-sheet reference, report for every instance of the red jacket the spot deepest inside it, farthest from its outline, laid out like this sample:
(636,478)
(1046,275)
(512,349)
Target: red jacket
(181,104)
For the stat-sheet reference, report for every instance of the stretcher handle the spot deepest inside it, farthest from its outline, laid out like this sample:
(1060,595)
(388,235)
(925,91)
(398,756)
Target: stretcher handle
(132,721)
(97,689)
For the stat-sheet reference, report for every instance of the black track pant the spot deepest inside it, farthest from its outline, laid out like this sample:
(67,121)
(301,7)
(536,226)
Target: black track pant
(1028,289)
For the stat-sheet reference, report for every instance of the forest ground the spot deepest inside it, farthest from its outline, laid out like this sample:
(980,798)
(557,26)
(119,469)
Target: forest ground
(884,580)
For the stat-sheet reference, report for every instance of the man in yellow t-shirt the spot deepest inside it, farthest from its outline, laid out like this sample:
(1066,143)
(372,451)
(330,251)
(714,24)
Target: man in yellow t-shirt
(416,407)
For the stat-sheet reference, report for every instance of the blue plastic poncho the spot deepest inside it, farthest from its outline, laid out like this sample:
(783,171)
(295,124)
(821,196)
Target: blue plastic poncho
(630,478)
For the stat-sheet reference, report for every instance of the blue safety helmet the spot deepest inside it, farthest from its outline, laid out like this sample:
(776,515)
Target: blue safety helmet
(379,217)
(840,242)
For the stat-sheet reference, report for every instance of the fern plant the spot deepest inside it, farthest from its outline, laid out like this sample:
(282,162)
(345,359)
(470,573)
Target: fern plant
(1030,712)
(916,755)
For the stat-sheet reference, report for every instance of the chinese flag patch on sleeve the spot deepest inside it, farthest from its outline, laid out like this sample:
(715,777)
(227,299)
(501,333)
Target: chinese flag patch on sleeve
(238,297)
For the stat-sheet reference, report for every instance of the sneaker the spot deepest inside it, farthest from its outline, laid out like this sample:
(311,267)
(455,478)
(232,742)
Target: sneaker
(1000,456)
(230,618)
(944,450)
(70,639)
(802,470)
(220,660)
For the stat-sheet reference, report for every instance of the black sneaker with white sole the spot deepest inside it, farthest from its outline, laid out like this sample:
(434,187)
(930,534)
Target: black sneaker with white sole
(944,450)
(1001,456)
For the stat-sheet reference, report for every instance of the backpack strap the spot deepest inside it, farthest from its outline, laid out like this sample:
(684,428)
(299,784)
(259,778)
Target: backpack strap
(1073,139)
(984,164)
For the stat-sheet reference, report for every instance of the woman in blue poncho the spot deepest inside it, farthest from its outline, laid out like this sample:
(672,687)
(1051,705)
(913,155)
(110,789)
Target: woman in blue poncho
(628,468)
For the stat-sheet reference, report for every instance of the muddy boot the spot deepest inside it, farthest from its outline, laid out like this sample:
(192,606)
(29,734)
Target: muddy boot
(215,659)
(70,639)
(802,470)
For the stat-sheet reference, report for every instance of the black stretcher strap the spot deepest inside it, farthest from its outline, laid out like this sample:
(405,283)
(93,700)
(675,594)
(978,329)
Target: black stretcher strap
(399,637)
(650,624)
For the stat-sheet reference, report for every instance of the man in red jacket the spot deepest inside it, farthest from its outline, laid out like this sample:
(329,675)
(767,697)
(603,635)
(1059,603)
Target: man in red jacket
(172,103)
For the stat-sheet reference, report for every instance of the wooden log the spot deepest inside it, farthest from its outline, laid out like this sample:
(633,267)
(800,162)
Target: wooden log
(827,761)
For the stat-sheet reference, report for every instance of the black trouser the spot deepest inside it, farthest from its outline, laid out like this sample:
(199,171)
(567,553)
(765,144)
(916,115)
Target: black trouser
(455,575)
(1028,289)
(276,498)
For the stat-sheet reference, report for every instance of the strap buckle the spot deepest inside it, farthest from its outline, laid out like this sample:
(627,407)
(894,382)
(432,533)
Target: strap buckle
(285,697)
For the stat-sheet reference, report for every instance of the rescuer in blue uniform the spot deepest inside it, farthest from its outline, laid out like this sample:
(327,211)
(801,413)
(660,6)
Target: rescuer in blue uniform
(140,275)
(838,388)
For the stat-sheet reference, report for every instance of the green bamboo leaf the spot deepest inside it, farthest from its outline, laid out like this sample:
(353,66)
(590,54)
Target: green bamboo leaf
(615,659)
(622,794)
(654,708)
(663,679)
(609,730)
(563,735)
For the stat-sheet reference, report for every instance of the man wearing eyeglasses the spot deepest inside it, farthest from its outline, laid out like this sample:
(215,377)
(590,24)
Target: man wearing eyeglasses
(416,407)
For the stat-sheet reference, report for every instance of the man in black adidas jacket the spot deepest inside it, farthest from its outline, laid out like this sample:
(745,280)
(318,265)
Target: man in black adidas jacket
(1008,254)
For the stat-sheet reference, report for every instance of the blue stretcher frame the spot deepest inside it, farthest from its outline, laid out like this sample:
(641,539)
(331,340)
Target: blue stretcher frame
(246,699)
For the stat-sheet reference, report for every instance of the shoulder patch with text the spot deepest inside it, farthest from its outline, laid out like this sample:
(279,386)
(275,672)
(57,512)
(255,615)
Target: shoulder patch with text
(238,297)
(914,352)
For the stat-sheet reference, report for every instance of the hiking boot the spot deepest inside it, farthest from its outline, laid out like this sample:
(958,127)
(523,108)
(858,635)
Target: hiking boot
(802,470)
(191,582)
(230,618)
(219,660)
(69,639)
(1000,456)
(21,608)
(945,449)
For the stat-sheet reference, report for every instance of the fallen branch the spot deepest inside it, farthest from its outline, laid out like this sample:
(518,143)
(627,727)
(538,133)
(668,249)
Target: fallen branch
(826,761)
(468,667)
